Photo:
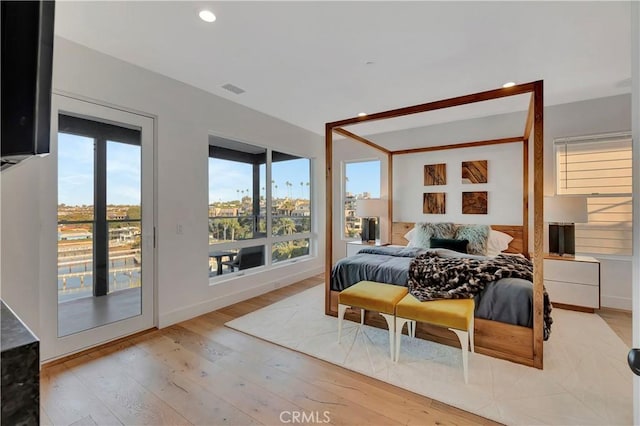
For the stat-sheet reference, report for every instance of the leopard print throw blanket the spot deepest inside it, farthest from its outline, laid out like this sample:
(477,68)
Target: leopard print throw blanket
(433,277)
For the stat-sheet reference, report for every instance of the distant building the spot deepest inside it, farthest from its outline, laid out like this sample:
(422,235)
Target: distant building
(74,236)
(223,211)
(301,209)
(125,234)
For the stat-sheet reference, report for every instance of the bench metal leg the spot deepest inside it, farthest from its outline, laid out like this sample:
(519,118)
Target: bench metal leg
(391,324)
(361,316)
(411,328)
(463,336)
(471,333)
(341,310)
(400,322)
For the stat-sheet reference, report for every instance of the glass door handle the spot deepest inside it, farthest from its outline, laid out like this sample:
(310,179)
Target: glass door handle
(634,361)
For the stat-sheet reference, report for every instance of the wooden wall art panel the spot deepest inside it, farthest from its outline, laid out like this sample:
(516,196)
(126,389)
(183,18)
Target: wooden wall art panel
(434,203)
(435,174)
(474,202)
(475,171)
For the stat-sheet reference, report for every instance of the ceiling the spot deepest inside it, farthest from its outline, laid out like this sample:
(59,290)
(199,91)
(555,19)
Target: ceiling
(308,63)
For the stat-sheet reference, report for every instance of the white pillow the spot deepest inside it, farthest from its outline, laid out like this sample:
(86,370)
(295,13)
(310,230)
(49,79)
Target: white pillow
(409,236)
(498,242)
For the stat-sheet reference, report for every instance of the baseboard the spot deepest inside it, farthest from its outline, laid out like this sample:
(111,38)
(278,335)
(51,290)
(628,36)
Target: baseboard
(220,302)
(623,303)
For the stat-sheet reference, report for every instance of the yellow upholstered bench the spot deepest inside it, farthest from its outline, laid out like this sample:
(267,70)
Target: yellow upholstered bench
(455,314)
(371,296)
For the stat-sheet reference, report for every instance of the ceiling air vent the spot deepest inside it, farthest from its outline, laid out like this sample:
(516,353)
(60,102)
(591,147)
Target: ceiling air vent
(234,89)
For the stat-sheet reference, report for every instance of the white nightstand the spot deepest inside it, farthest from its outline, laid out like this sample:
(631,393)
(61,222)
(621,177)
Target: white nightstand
(573,282)
(353,247)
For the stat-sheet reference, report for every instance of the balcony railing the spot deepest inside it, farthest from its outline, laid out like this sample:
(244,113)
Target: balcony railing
(75,257)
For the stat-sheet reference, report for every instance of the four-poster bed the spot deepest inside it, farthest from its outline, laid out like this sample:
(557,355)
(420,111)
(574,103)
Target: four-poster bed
(516,343)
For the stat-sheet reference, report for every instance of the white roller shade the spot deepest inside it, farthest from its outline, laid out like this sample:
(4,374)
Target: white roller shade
(600,168)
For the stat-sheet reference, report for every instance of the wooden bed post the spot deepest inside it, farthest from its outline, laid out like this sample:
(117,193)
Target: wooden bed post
(329,217)
(538,244)
(390,193)
(525,170)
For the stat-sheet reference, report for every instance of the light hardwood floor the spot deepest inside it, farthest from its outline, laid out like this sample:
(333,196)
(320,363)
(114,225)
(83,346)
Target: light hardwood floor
(200,372)
(620,322)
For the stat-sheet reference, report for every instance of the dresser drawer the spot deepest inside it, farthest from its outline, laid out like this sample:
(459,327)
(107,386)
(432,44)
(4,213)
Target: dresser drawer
(573,294)
(587,273)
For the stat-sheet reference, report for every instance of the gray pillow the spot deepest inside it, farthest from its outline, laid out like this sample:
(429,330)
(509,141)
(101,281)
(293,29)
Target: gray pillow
(478,235)
(426,231)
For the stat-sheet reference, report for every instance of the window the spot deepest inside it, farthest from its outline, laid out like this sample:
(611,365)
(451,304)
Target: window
(290,206)
(251,223)
(361,181)
(599,167)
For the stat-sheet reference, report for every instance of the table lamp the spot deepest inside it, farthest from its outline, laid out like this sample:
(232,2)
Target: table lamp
(369,210)
(562,213)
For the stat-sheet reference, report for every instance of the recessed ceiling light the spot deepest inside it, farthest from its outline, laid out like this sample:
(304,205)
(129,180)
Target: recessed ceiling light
(509,84)
(362,114)
(207,15)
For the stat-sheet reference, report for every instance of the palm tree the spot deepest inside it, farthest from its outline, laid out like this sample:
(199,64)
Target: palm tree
(288,226)
(284,250)
(289,185)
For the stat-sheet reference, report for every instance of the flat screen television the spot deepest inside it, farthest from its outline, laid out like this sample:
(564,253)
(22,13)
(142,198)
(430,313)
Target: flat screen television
(27,61)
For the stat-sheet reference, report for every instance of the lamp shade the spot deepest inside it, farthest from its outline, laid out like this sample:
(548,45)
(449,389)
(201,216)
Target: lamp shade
(565,210)
(372,207)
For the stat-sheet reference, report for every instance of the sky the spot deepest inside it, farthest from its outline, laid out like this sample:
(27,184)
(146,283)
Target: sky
(226,177)
(76,169)
(360,177)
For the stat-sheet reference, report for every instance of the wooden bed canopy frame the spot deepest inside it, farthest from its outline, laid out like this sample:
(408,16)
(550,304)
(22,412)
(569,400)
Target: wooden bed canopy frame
(515,343)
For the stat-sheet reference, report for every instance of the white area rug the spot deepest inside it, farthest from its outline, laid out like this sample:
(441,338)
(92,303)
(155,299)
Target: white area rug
(585,380)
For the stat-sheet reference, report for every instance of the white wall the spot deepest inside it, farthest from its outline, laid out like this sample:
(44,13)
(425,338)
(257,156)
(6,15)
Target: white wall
(635,112)
(504,185)
(20,229)
(184,118)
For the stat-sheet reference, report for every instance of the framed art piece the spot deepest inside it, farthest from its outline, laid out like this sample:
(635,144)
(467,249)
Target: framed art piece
(435,174)
(433,203)
(474,202)
(475,171)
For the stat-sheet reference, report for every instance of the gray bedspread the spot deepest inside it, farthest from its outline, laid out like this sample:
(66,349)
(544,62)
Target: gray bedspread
(508,300)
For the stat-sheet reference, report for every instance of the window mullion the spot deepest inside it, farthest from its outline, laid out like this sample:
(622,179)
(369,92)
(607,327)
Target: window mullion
(100,231)
(268,207)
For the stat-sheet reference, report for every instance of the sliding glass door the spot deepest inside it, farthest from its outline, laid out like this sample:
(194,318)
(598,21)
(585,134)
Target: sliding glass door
(105,225)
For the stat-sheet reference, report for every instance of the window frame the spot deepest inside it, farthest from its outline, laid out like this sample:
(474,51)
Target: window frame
(269,240)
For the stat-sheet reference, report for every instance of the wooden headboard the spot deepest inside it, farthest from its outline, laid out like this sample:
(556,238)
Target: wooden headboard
(399,229)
